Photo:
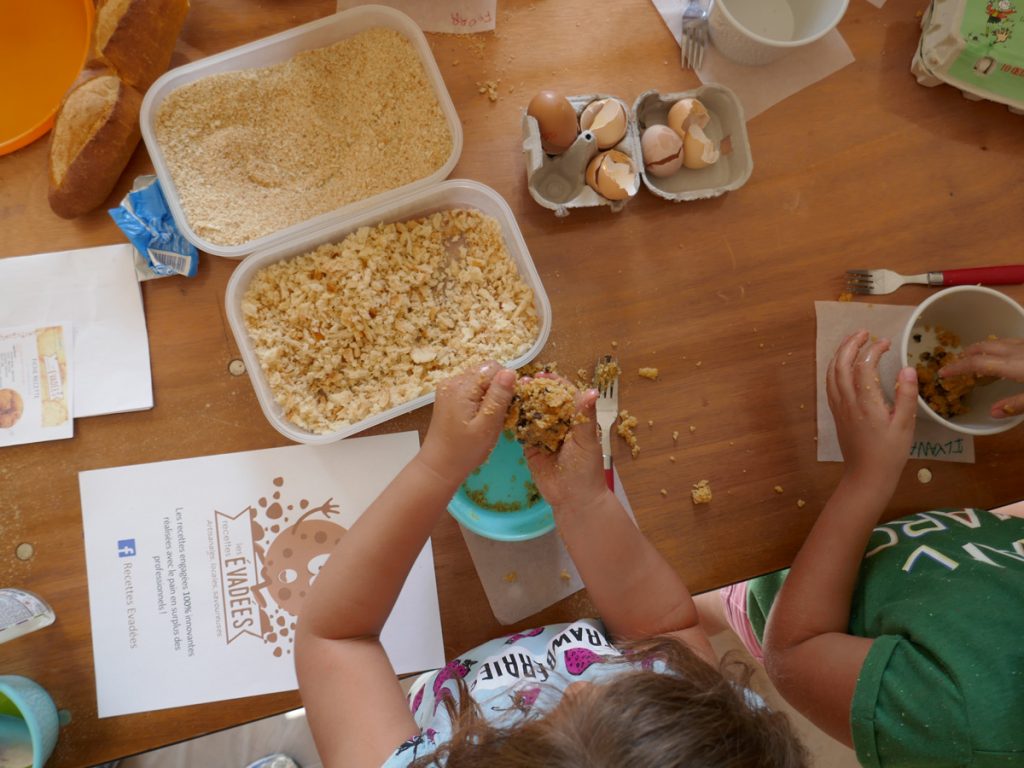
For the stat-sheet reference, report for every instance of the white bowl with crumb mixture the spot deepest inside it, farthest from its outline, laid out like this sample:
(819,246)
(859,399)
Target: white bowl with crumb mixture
(259,143)
(351,324)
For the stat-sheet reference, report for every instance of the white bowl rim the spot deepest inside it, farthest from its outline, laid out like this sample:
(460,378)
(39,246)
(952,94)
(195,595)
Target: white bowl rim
(783,43)
(1004,424)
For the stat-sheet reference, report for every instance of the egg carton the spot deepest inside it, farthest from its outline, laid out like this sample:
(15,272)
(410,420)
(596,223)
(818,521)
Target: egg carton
(559,182)
(727,128)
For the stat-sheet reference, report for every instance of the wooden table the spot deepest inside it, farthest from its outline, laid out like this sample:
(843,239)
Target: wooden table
(863,168)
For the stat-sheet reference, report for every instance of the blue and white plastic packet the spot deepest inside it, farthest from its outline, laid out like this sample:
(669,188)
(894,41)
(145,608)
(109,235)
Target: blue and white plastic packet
(161,250)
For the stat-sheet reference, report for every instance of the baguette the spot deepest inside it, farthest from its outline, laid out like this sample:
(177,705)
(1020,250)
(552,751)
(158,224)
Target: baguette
(136,38)
(96,131)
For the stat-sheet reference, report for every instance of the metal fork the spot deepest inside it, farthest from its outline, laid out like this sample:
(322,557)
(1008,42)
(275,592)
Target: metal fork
(879,281)
(607,411)
(695,34)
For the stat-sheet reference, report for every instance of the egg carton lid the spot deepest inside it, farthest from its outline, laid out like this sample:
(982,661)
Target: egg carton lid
(962,46)
(558,182)
(727,129)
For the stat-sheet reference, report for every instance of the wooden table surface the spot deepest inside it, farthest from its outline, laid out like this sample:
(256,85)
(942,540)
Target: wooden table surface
(863,168)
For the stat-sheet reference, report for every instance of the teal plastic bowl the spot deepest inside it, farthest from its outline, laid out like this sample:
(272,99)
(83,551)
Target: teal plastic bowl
(28,721)
(499,501)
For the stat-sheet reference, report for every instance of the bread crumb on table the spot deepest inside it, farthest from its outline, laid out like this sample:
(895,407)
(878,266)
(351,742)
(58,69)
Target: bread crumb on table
(258,150)
(701,492)
(675,435)
(648,373)
(777,489)
(625,429)
(800,503)
(358,327)
(490,88)
(565,575)
(663,492)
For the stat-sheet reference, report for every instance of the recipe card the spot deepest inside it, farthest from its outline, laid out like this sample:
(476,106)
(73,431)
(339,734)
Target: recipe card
(198,568)
(95,289)
(35,384)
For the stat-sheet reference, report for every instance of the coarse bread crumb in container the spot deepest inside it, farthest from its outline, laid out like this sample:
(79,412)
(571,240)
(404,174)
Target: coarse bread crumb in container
(258,150)
(354,328)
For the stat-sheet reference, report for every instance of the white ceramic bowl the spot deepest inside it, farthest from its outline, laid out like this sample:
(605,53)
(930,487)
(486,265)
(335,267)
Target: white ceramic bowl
(755,32)
(973,313)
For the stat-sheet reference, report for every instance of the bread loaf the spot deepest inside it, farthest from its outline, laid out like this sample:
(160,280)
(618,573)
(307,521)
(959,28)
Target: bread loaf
(96,131)
(136,37)
(97,125)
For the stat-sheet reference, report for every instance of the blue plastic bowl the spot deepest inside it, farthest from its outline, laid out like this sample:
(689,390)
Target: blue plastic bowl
(499,501)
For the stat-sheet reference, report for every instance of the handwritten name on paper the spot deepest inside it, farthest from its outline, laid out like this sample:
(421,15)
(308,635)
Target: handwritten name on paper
(458,20)
(927,449)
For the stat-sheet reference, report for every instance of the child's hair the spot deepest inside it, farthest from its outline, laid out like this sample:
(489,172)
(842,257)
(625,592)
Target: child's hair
(690,716)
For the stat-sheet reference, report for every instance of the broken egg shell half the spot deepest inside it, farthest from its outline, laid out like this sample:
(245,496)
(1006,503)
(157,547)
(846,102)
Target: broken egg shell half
(686,113)
(662,150)
(606,119)
(698,150)
(612,175)
(556,121)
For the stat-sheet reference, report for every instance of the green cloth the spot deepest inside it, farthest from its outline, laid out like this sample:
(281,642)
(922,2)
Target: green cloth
(942,594)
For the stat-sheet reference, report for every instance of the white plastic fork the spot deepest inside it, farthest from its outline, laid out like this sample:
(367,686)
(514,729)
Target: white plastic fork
(607,407)
(695,34)
(879,281)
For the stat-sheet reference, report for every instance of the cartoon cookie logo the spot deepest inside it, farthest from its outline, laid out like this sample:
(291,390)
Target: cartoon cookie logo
(11,408)
(290,542)
(295,558)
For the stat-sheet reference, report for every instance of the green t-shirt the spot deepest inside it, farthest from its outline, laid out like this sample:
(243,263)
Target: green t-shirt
(942,594)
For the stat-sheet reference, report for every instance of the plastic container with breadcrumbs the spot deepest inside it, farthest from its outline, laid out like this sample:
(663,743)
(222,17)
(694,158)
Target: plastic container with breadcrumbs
(274,50)
(447,195)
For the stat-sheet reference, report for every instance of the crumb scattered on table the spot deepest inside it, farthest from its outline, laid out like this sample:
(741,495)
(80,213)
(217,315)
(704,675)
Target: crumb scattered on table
(675,435)
(490,88)
(701,492)
(800,503)
(648,373)
(565,575)
(663,492)
(625,429)
(777,489)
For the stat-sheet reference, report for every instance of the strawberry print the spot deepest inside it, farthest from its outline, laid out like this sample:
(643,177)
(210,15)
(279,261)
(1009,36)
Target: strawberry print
(577,660)
(520,635)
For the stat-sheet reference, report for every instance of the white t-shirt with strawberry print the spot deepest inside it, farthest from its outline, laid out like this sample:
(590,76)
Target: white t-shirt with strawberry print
(517,676)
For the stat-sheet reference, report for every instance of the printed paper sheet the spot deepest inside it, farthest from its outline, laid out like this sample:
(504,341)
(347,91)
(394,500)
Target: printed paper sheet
(197,569)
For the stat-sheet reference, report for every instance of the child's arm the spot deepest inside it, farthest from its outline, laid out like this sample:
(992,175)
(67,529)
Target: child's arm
(355,706)
(809,654)
(636,592)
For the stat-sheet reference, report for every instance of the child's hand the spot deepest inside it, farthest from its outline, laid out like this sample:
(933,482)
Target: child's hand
(1000,357)
(574,476)
(468,415)
(875,439)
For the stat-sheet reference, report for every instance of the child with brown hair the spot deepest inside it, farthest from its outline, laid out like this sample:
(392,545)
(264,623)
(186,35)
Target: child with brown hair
(639,688)
(900,639)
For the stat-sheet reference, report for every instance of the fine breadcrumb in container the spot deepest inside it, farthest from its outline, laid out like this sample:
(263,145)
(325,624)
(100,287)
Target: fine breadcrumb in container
(257,150)
(354,328)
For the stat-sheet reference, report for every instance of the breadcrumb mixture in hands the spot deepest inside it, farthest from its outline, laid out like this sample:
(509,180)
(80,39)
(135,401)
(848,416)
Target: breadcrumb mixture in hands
(542,412)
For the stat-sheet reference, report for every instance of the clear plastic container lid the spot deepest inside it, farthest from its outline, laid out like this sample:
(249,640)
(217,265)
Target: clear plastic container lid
(456,193)
(276,49)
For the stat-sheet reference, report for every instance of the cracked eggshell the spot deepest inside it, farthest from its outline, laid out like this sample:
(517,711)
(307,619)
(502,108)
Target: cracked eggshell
(726,129)
(613,175)
(662,149)
(698,150)
(556,119)
(606,119)
(558,182)
(686,113)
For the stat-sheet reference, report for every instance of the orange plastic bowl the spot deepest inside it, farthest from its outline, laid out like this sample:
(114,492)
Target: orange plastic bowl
(43,46)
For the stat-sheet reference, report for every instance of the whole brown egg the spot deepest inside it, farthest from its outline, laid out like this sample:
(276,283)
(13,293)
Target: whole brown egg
(556,120)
